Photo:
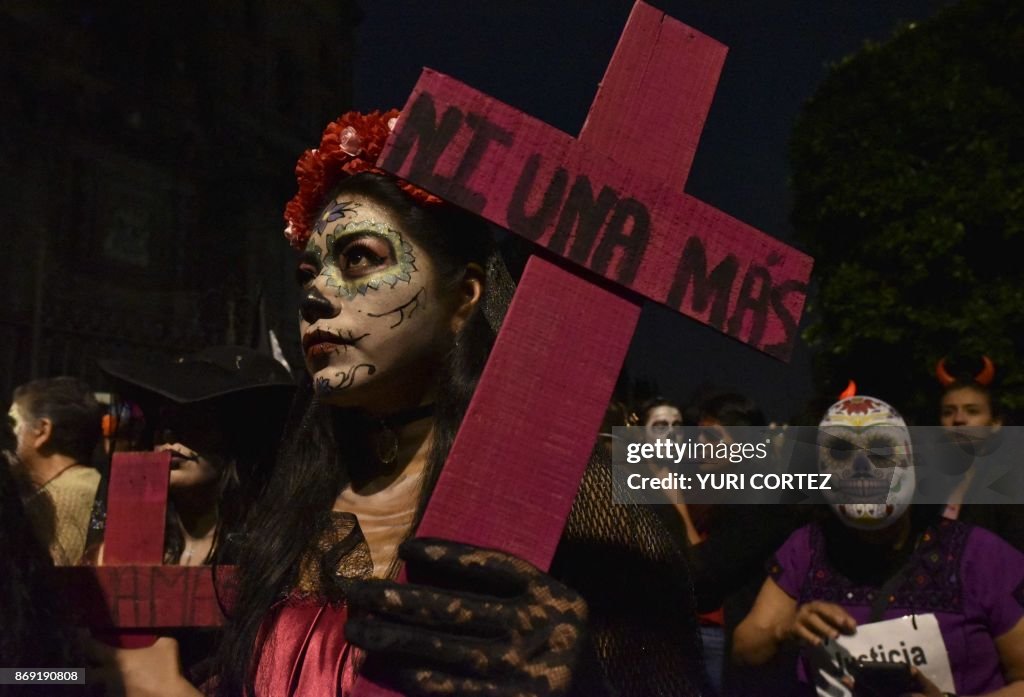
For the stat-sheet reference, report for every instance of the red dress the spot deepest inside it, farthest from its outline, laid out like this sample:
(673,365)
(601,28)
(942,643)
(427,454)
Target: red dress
(303,651)
(302,646)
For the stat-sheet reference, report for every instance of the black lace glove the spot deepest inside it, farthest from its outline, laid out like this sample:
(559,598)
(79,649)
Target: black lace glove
(481,622)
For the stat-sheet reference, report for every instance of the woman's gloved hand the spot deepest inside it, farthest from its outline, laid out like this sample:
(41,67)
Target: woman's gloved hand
(478,622)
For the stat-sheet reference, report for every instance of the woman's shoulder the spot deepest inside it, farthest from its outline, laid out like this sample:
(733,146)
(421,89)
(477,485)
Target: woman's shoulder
(992,576)
(981,545)
(800,546)
(339,551)
(605,516)
(78,481)
(805,537)
(985,560)
(957,540)
(1004,520)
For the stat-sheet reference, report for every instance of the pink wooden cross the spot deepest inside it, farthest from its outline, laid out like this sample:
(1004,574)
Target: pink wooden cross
(133,596)
(610,201)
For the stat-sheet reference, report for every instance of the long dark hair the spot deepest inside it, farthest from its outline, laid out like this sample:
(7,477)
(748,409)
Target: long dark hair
(229,515)
(321,443)
(251,422)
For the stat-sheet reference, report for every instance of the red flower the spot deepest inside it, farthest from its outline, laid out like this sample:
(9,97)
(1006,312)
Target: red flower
(348,146)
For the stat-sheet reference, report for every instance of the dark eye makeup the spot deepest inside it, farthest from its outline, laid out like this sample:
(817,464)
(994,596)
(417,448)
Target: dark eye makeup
(355,256)
(360,255)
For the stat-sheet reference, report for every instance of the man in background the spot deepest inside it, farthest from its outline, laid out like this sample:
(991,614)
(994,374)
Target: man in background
(57,425)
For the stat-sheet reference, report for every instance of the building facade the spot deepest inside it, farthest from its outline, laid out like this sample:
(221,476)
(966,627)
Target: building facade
(147,151)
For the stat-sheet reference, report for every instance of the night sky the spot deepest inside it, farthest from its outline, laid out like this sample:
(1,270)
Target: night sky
(546,58)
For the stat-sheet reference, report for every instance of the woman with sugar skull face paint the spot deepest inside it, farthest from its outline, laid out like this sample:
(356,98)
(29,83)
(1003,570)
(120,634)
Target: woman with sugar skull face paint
(880,558)
(401,296)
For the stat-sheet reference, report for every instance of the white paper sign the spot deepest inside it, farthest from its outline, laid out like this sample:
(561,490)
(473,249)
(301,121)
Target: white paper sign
(913,639)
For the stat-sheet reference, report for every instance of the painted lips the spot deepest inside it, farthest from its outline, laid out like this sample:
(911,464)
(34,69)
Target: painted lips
(320,343)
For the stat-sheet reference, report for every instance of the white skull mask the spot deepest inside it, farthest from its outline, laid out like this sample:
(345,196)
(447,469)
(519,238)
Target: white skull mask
(865,445)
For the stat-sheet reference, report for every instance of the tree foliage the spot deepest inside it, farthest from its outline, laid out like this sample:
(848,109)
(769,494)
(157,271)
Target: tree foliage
(908,178)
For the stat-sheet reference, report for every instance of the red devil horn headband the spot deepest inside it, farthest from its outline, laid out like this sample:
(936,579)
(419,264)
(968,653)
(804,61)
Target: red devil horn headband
(983,378)
(943,376)
(988,372)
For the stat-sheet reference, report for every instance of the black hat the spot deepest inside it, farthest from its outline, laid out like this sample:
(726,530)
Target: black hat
(212,372)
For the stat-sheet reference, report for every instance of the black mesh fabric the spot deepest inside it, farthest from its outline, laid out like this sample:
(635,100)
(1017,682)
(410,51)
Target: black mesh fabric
(633,572)
(628,563)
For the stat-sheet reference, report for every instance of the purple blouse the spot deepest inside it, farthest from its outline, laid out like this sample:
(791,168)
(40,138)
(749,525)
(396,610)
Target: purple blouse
(968,577)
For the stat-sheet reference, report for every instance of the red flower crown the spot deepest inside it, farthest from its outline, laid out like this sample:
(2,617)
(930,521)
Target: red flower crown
(349,145)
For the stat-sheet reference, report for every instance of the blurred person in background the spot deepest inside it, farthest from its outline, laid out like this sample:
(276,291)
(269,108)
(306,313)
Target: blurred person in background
(36,632)
(973,416)
(615,416)
(124,425)
(730,544)
(219,412)
(660,418)
(57,426)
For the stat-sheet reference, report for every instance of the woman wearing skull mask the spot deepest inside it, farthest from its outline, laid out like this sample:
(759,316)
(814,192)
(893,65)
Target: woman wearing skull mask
(879,558)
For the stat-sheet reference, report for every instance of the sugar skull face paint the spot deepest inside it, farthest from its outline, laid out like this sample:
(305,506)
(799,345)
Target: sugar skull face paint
(865,445)
(373,324)
(357,256)
(661,420)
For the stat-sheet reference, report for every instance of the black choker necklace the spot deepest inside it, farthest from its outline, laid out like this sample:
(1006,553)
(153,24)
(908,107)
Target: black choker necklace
(387,433)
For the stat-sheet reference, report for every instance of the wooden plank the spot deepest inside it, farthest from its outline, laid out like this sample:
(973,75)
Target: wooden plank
(516,463)
(620,222)
(580,396)
(145,597)
(650,108)
(136,512)
(136,508)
